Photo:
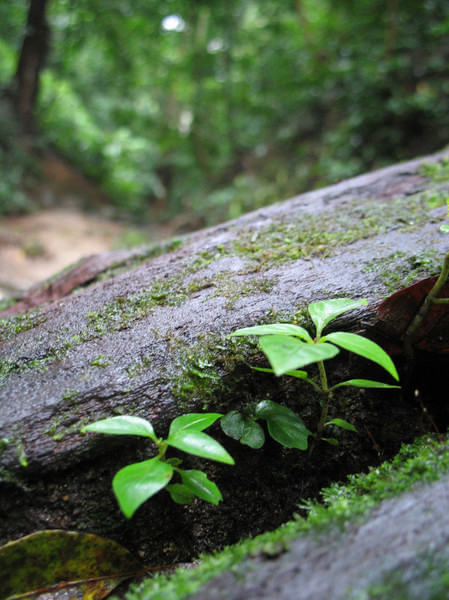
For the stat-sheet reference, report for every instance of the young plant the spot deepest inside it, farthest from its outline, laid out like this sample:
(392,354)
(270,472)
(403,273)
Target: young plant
(136,483)
(290,347)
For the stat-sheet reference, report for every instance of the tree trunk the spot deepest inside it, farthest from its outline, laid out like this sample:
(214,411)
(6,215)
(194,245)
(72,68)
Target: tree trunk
(31,61)
(145,334)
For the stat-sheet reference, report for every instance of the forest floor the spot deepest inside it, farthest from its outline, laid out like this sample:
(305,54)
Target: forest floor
(35,246)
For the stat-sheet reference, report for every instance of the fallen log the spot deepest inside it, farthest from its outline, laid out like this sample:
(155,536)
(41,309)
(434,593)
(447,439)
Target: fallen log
(146,335)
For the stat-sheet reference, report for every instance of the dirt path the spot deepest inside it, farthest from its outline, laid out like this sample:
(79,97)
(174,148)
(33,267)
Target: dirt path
(36,246)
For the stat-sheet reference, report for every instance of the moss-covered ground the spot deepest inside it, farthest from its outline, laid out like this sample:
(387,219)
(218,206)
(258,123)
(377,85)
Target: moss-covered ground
(422,462)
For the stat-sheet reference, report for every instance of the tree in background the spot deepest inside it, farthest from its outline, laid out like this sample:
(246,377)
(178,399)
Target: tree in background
(212,109)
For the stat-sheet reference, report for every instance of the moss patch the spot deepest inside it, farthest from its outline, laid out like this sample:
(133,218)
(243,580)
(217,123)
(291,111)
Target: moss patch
(422,462)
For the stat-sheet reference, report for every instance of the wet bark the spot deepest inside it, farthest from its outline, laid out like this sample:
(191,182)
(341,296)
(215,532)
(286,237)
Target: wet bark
(145,334)
(400,550)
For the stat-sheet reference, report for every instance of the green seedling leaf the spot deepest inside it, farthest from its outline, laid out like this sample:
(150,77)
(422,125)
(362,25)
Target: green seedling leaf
(193,421)
(233,424)
(199,444)
(136,483)
(283,424)
(249,433)
(253,435)
(274,329)
(180,494)
(331,441)
(123,425)
(363,347)
(342,424)
(198,483)
(81,565)
(365,383)
(286,353)
(297,374)
(323,312)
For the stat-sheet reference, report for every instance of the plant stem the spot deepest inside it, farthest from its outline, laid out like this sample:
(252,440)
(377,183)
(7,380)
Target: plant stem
(409,335)
(325,394)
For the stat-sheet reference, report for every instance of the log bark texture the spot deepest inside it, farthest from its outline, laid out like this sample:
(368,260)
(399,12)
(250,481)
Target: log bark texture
(400,550)
(145,334)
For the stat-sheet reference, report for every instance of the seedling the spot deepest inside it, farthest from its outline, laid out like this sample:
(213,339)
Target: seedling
(290,347)
(136,483)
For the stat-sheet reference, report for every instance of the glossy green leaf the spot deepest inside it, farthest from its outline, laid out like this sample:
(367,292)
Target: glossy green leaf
(193,421)
(180,494)
(342,424)
(249,433)
(123,425)
(233,424)
(297,374)
(365,383)
(198,483)
(82,565)
(253,435)
(199,444)
(274,329)
(286,353)
(136,483)
(283,424)
(363,347)
(331,441)
(324,311)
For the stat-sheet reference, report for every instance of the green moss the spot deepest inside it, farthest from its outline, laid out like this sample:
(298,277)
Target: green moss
(422,462)
(436,171)
(400,270)
(101,361)
(11,326)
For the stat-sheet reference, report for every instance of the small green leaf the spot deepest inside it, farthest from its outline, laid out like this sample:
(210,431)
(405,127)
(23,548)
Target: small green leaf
(286,353)
(323,312)
(274,329)
(134,484)
(253,435)
(198,483)
(331,441)
(444,228)
(180,494)
(297,374)
(193,421)
(233,424)
(283,424)
(123,425)
(199,444)
(363,347)
(342,424)
(365,383)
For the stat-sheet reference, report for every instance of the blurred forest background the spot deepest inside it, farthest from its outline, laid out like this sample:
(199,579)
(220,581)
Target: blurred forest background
(209,109)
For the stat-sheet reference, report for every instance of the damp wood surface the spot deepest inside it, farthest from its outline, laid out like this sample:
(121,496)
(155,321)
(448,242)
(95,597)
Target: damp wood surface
(144,333)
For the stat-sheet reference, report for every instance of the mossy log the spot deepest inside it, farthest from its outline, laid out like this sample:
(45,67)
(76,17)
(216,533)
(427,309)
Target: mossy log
(144,333)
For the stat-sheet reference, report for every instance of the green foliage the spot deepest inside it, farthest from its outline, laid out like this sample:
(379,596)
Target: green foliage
(288,348)
(235,106)
(136,483)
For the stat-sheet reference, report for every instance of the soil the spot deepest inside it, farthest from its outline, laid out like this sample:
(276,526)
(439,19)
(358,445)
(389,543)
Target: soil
(36,246)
